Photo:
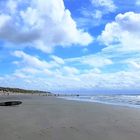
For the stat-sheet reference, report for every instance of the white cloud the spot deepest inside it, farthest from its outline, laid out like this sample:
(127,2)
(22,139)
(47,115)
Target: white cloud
(123,34)
(85,50)
(94,14)
(120,80)
(95,61)
(12,5)
(129,22)
(107,4)
(28,60)
(133,63)
(97,14)
(33,24)
(70,70)
(73,73)
(28,71)
(57,59)
(33,65)
(12,32)
(89,18)
(106,69)
(138,2)
(4,19)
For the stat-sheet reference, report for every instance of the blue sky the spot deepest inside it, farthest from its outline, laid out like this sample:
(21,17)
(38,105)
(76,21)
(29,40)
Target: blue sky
(70,45)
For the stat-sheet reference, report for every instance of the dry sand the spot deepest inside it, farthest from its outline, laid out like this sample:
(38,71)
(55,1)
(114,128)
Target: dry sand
(49,118)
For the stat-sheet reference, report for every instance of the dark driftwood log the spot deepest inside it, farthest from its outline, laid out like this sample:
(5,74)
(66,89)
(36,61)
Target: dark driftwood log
(10,103)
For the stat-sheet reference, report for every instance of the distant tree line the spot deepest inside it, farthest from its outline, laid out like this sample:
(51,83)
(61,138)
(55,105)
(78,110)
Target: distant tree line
(18,90)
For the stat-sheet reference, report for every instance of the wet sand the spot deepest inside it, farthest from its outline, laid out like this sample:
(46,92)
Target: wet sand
(50,118)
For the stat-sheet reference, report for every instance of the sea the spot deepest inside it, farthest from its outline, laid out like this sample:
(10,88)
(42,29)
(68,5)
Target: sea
(120,100)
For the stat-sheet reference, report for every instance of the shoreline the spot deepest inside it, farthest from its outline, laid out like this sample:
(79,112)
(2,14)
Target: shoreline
(101,102)
(68,98)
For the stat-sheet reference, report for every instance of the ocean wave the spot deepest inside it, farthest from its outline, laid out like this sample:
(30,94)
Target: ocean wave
(123,100)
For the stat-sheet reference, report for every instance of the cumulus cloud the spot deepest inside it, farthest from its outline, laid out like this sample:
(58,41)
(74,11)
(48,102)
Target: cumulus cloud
(123,33)
(30,22)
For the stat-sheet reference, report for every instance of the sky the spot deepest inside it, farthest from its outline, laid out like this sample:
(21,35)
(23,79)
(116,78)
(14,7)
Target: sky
(70,45)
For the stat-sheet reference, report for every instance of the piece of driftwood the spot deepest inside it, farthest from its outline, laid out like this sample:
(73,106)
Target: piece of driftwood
(10,103)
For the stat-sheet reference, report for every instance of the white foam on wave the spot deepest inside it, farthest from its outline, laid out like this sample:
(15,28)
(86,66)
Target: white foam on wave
(122,100)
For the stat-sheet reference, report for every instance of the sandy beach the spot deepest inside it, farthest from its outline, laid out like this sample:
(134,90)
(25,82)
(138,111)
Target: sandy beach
(50,118)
